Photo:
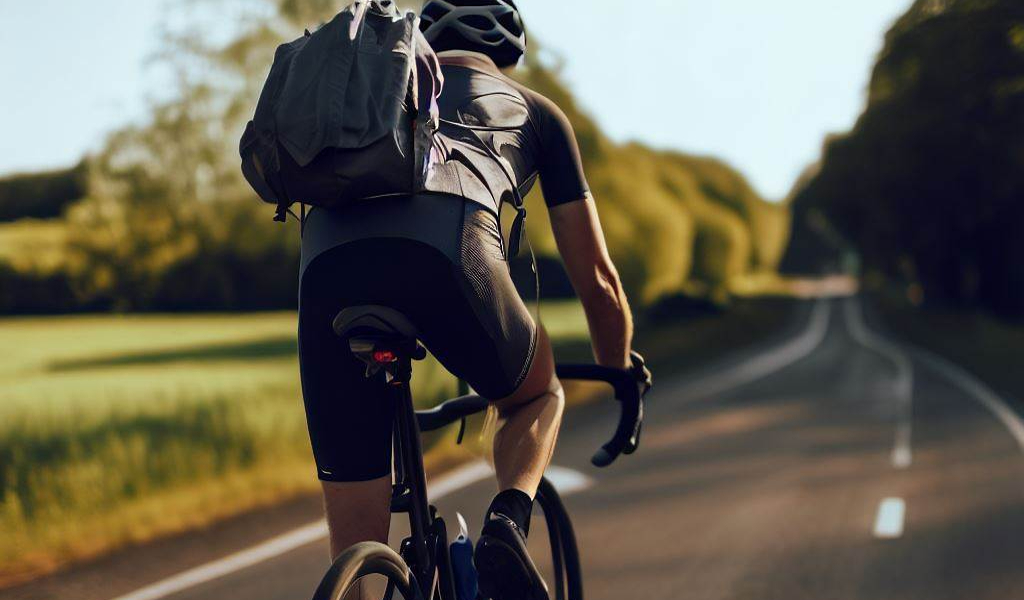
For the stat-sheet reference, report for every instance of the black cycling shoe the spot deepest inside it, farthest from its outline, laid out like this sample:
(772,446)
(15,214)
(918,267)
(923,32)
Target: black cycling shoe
(504,566)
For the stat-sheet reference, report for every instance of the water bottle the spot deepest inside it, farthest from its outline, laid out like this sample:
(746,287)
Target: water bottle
(463,571)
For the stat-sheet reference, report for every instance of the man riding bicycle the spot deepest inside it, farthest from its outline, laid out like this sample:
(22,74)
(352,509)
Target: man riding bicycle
(440,260)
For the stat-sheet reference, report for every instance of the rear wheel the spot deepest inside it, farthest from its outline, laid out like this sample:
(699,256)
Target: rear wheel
(361,561)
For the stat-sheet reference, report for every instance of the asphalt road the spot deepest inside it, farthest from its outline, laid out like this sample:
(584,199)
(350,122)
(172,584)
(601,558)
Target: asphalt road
(832,464)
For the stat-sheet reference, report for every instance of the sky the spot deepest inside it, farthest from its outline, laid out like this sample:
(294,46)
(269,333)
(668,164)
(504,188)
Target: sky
(758,84)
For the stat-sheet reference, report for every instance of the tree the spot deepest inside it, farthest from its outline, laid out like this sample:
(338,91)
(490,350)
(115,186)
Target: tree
(927,185)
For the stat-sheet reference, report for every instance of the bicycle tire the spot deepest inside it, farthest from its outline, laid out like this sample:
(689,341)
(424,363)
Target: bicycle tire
(361,560)
(565,555)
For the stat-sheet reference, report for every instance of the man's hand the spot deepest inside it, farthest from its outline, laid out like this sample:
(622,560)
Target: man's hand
(641,372)
(644,382)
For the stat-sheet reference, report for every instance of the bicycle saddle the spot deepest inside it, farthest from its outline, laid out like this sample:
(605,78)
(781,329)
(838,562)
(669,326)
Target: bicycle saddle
(374,321)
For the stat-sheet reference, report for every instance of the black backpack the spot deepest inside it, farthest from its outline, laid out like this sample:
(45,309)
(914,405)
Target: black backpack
(348,112)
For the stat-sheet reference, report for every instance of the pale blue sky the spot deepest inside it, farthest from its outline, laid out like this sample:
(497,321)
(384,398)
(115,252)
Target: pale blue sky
(757,83)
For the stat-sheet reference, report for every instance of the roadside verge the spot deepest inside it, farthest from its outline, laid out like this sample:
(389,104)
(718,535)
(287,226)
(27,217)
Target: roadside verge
(671,346)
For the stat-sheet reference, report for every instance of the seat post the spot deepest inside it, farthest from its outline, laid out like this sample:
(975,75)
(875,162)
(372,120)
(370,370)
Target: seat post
(411,459)
(400,371)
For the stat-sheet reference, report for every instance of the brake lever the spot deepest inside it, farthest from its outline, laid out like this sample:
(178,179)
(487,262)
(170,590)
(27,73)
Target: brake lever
(462,431)
(634,443)
(627,435)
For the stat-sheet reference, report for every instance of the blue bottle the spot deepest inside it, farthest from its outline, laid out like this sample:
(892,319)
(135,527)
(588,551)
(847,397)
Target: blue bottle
(463,570)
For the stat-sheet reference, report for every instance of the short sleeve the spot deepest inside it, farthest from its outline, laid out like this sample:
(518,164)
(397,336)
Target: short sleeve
(558,159)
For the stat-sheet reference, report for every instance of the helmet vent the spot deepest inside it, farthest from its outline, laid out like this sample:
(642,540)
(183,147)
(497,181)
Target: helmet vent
(479,22)
(508,21)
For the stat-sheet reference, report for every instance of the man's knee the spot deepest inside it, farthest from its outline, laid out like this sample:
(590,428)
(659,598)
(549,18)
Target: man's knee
(557,396)
(550,397)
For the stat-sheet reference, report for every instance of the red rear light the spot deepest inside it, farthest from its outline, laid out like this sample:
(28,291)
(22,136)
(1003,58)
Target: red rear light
(384,356)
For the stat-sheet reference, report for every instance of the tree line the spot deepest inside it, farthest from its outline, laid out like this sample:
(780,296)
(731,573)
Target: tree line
(166,221)
(928,187)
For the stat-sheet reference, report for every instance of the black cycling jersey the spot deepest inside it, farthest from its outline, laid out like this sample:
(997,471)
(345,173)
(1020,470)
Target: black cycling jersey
(526,129)
(523,127)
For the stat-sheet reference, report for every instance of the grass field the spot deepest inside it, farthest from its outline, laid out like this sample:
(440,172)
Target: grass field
(115,429)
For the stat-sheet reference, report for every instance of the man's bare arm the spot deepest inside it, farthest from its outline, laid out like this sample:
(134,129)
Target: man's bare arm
(581,242)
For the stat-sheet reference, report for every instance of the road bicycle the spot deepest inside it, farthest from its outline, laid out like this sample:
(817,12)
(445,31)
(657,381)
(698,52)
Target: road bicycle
(386,341)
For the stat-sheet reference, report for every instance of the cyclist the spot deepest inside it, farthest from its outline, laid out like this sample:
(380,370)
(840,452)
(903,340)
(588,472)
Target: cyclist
(439,259)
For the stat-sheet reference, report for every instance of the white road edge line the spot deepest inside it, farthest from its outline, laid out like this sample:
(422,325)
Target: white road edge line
(454,481)
(567,481)
(768,362)
(282,544)
(889,521)
(229,564)
(976,389)
(902,455)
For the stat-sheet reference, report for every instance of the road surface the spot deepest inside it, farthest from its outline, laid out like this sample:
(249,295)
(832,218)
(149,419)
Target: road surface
(833,464)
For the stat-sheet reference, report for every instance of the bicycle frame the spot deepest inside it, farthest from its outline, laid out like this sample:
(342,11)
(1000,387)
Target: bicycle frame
(426,548)
(425,551)
(385,341)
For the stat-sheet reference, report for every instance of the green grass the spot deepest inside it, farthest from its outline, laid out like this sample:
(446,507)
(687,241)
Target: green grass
(116,429)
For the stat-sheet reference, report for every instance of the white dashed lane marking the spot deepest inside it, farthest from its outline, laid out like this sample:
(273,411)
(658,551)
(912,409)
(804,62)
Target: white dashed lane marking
(889,521)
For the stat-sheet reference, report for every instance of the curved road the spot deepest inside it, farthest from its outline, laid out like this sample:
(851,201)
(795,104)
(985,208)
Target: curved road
(835,464)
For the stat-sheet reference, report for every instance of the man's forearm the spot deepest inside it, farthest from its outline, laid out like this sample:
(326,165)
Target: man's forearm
(611,329)
(577,230)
